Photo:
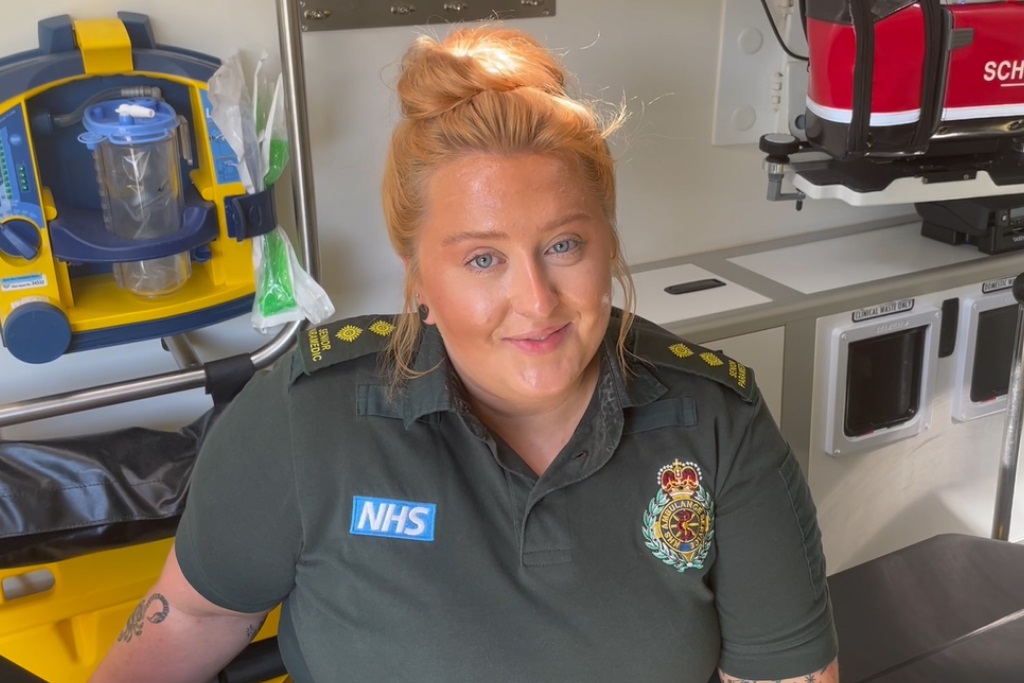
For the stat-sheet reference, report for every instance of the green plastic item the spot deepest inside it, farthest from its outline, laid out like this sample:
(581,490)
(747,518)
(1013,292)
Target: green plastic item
(276,294)
(278,160)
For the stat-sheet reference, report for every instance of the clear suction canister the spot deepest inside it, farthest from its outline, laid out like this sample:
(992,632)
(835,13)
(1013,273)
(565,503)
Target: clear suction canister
(135,146)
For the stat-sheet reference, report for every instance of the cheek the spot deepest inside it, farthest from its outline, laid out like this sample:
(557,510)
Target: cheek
(591,286)
(464,301)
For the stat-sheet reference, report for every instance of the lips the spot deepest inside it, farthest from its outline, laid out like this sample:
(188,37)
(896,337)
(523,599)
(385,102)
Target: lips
(537,336)
(540,341)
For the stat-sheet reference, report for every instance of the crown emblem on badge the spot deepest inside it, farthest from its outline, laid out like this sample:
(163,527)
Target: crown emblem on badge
(678,476)
(679,521)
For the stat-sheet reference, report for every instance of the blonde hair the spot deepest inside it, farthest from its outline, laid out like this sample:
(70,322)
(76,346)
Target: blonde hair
(492,90)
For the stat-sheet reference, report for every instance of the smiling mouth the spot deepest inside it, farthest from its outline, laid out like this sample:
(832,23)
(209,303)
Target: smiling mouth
(539,336)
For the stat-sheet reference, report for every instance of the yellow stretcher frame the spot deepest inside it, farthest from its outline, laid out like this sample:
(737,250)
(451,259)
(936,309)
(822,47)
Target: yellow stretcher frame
(62,633)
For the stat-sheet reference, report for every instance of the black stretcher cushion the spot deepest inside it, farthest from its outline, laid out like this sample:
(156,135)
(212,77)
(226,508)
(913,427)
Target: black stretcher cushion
(12,673)
(60,498)
(946,610)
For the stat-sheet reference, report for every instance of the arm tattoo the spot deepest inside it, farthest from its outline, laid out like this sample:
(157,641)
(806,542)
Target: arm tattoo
(254,628)
(139,618)
(829,673)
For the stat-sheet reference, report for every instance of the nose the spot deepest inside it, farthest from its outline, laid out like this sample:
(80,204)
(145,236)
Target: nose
(533,290)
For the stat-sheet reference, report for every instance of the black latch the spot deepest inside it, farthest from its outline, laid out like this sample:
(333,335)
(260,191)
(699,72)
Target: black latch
(251,215)
(948,328)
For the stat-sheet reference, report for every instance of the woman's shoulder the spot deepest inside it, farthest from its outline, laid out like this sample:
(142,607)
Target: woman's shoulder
(341,342)
(653,345)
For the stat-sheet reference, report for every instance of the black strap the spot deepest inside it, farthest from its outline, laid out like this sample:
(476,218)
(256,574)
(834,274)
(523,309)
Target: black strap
(934,73)
(860,119)
(226,377)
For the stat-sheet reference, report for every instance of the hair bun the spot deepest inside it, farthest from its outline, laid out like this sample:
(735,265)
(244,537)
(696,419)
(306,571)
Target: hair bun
(438,76)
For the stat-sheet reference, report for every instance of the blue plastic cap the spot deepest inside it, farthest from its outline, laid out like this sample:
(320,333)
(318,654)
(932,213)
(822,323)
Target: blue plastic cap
(103,122)
(37,332)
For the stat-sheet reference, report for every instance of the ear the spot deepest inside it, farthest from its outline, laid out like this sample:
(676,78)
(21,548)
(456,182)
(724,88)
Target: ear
(421,304)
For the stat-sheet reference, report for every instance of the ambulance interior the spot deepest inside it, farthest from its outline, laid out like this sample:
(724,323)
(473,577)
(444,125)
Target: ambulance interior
(859,254)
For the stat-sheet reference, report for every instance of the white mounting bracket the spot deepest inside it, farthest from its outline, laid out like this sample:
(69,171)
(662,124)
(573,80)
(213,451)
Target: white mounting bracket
(759,89)
(908,190)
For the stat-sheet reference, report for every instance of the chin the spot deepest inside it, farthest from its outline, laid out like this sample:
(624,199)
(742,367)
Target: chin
(547,384)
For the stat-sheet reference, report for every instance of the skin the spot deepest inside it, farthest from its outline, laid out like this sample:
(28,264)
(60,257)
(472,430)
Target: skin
(830,674)
(176,635)
(515,258)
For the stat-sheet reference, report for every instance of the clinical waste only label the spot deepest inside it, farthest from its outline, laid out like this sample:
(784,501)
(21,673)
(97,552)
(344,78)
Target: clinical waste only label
(900,306)
(22,282)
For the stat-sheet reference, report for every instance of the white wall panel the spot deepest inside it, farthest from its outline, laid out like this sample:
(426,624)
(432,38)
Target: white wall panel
(943,480)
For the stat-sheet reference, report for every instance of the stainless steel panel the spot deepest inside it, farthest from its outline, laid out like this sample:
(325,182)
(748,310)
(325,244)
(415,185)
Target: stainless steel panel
(334,15)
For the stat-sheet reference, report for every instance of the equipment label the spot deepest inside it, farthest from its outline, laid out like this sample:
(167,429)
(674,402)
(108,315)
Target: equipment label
(997,285)
(898,306)
(22,282)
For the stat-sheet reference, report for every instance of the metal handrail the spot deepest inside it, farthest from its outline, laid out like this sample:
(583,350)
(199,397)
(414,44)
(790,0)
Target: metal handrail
(294,76)
(188,378)
(1010,452)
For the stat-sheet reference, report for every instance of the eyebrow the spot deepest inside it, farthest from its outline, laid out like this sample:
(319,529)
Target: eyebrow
(499,235)
(473,235)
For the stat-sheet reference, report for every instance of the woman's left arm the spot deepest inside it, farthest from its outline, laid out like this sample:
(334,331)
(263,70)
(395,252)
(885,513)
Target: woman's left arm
(830,674)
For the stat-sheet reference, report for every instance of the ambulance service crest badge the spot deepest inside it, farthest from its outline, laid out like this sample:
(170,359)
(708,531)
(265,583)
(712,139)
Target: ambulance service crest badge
(679,521)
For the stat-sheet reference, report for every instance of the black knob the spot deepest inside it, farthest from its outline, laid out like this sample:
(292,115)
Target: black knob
(1018,288)
(779,144)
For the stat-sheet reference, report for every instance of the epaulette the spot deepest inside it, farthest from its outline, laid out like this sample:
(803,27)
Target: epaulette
(326,345)
(656,345)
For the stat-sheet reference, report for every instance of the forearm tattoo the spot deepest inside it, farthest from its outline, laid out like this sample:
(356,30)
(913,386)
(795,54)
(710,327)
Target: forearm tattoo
(142,614)
(254,628)
(827,675)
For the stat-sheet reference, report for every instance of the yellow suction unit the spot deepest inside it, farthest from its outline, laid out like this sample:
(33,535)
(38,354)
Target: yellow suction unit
(122,216)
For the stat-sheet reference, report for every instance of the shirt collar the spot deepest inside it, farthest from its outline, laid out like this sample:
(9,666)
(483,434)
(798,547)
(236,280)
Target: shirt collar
(641,387)
(435,391)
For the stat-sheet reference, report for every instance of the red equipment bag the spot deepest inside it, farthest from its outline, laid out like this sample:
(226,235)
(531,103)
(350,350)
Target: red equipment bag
(898,78)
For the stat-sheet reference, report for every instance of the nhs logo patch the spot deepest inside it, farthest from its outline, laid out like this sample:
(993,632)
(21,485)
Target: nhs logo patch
(393,518)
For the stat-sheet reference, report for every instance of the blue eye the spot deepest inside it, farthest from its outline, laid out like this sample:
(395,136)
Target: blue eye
(564,247)
(482,261)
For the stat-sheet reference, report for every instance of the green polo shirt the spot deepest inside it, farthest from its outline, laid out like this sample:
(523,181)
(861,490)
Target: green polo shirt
(674,532)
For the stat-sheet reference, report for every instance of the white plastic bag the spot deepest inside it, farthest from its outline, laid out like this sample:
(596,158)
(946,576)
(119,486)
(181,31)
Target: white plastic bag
(255,128)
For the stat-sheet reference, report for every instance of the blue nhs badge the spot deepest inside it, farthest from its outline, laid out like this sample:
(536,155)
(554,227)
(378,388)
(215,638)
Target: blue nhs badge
(393,518)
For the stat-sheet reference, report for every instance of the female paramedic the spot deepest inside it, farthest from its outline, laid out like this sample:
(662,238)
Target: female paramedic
(512,480)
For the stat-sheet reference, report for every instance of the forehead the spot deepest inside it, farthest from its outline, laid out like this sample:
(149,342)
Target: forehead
(511,187)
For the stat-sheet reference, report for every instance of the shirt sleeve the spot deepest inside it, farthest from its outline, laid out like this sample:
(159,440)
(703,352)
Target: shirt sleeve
(240,535)
(769,576)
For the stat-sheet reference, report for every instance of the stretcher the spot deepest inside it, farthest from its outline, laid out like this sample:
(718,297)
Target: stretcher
(946,610)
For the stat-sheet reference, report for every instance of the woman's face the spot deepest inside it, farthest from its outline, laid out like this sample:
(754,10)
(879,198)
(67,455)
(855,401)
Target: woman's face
(515,257)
